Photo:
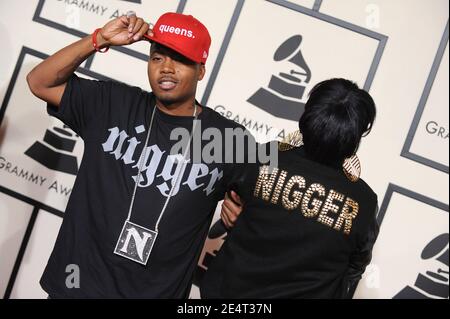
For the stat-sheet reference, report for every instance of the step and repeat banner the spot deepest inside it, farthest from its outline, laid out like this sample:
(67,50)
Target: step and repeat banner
(264,59)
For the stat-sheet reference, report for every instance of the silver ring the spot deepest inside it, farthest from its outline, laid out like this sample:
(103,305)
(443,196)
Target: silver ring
(130,13)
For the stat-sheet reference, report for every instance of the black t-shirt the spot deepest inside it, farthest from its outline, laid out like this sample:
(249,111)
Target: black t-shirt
(306,231)
(113,118)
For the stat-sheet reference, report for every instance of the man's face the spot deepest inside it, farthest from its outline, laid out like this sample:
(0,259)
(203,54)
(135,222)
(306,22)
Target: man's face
(173,78)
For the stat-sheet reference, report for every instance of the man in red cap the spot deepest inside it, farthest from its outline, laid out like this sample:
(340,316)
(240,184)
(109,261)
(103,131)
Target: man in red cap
(139,213)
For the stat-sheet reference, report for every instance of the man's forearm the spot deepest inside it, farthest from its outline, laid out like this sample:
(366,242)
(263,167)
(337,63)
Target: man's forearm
(48,79)
(56,69)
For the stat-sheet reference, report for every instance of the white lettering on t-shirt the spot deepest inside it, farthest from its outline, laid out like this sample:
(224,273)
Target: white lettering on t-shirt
(123,147)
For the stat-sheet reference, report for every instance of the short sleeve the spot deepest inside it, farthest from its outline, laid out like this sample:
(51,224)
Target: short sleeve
(82,103)
(242,176)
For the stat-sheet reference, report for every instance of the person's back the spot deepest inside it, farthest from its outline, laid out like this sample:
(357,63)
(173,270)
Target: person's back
(291,239)
(307,230)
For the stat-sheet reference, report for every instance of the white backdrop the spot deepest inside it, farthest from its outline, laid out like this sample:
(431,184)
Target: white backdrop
(396,49)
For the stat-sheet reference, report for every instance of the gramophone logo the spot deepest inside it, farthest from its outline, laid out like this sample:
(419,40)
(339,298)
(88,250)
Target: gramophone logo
(284,94)
(55,152)
(217,234)
(434,282)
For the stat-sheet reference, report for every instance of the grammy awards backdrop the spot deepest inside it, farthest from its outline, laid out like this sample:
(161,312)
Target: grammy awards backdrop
(264,59)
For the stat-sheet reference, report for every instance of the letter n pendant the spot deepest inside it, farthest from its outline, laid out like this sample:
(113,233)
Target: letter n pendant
(135,242)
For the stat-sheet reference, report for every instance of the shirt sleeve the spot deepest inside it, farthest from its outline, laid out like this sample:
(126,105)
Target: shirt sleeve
(238,173)
(82,104)
(243,176)
(362,256)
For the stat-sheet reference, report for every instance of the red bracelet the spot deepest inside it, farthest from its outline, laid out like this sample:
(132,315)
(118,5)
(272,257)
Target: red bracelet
(94,42)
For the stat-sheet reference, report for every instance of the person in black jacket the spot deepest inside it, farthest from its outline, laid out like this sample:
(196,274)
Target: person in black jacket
(309,225)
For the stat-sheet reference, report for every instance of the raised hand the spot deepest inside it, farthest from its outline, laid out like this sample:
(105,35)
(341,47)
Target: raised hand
(123,30)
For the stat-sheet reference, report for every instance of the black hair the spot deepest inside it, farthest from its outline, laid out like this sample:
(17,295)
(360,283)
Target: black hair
(337,114)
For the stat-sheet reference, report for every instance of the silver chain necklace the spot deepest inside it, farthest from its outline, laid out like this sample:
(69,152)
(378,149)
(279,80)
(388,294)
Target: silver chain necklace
(136,242)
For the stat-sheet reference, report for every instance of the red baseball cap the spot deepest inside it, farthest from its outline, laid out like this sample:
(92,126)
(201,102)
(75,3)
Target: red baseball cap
(183,34)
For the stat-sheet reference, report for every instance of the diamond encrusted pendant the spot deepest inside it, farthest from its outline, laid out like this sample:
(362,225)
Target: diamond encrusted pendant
(135,242)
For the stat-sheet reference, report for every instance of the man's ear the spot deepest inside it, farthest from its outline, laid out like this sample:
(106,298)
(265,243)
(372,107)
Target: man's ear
(201,72)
